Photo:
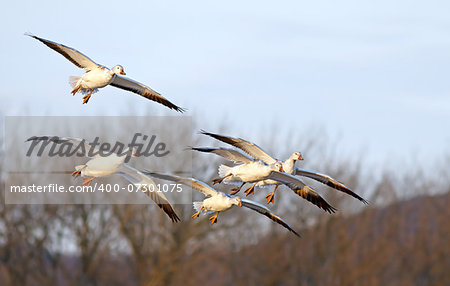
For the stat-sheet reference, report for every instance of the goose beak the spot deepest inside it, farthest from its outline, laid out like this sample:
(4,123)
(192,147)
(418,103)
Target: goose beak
(300,157)
(122,72)
(240,203)
(281,169)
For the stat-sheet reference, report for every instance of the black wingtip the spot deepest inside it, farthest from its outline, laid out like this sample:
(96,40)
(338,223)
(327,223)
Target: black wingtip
(355,195)
(298,235)
(365,201)
(213,135)
(32,138)
(201,149)
(330,209)
(43,138)
(29,34)
(175,218)
(180,109)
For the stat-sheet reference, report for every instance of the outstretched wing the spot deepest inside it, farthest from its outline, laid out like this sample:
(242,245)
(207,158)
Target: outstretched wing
(190,182)
(268,213)
(76,57)
(135,176)
(301,189)
(145,91)
(88,148)
(229,154)
(329,181)
(248,147)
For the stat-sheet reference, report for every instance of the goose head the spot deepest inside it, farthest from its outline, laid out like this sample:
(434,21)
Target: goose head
(134,152)
(118,69)
(297,156)
(279,166)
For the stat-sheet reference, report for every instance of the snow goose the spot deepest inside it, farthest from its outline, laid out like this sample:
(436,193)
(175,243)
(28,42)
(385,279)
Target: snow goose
(100,166)
(97,166)
(289,165)
(257,171)
(259,154)
(219,201)
(239,158)
(97,76)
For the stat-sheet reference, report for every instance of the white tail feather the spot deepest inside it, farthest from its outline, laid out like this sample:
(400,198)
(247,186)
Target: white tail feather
(197,205)
(73,80)
(224,170)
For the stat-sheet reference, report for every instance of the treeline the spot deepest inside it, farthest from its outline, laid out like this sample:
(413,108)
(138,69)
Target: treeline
(405,243)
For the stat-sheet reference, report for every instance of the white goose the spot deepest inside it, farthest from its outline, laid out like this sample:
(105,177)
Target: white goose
(97,76)
(219,201)
(257,171)
(98,165)
(288,166)
(239,158)
(101,166)
(259,154)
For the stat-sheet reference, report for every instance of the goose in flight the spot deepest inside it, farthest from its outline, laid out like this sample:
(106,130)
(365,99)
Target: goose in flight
(219,201)
(97,76)
(257,171)
(100,166)
(240,158)
(258,153)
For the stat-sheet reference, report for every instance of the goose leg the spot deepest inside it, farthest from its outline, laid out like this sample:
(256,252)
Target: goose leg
(197,213)
(77,173)
(87,181)
(270,197)
(236,190)
(87,96)
(213,219)
(250,190)
(75,90)
(219,180)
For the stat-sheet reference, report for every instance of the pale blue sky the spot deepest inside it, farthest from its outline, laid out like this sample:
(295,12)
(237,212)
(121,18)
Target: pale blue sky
(375,73)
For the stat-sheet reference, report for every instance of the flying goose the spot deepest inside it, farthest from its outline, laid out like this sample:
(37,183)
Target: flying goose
(219,201)
(97,76)
(288,166)
(238,157)
(259,154)
(257,171)
(100,166)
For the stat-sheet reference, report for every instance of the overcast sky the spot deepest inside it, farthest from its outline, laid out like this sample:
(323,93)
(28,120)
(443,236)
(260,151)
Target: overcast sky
(375,74)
